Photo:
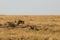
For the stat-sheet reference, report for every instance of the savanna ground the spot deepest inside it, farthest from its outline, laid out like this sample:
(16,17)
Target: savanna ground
(48,28)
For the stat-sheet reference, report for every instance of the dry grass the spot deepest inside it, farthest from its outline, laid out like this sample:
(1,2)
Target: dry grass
(49,28)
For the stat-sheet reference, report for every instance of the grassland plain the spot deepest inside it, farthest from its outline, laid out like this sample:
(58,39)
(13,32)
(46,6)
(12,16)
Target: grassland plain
(40,28)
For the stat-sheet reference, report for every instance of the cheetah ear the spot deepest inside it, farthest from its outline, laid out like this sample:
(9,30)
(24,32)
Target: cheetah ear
(15,21)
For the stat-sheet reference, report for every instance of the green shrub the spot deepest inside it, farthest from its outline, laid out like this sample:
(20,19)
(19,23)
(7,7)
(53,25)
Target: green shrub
(11,24)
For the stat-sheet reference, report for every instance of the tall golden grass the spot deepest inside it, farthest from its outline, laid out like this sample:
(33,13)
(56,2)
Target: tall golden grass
(49,28)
